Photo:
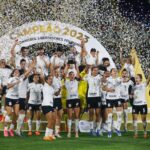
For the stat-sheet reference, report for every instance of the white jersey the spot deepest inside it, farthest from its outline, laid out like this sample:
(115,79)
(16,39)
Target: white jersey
(18,58)
(23,88)
(41,64)
(90,60)
(58,61)
(35,93)
(72,70)
(57,85)
(139,92)
(72,89)
(114,84)
(48,95)
(94,85)
(103,96)
(12,92)
(124,89)
(4,75)
(130,69)
(79,60)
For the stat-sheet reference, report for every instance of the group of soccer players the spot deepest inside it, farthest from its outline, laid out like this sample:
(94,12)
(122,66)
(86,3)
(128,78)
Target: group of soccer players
(31,86)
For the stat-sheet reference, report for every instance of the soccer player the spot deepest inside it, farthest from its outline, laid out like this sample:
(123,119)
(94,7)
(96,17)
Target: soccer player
(5,72)
(113,100)
(23,87)
(42,62)
(48,107)
(58,59)
(34,103)
(94,99)
(104,103)
(73,102)
(128,63)
(57,84)
(140,104)
(15,58)
(12,100)
(124,94)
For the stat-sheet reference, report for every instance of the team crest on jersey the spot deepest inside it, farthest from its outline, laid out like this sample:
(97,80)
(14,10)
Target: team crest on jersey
(30,108)
(119,103)
(77,104)
(10,103)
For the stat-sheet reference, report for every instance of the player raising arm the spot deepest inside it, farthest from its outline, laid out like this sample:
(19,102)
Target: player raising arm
(139,103)
(73,101)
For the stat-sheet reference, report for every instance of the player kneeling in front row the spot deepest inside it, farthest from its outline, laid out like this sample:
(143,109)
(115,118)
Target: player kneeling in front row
(139,104)
(47,107)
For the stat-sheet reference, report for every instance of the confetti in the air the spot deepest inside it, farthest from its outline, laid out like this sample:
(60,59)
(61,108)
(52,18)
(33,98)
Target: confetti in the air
(112,22)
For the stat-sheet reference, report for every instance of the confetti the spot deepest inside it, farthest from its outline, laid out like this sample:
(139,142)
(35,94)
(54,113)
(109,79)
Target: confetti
(106,20)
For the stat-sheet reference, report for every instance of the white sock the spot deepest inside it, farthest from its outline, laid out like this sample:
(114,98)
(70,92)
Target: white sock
(30,124)
(144,127)
(50,132)
(76,125)
(119,119)
(6,128)
(11,127)
(125,112)
(20,122)
(91,125)
(47,131)
(69,123)
(7,118)
(57,128)
(109,122)
(38,122)
(98,125)
(135,126)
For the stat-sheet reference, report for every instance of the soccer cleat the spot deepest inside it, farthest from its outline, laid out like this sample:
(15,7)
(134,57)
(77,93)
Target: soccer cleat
(109,135)
(99,133)
(6,133)
(30,133)
(47,138)
(58,135)
(145,136)
(18,133)
(37,133)
(69,135)
(53,137)
(92,132)
(118,133)
(11,132)
(76,135)
(135,136)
